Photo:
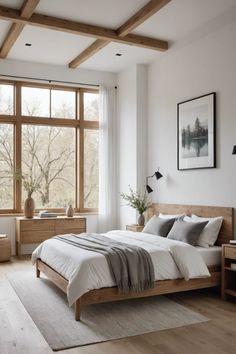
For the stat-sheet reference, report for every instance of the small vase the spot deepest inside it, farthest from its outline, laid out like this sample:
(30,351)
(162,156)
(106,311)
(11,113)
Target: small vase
(141,220)
(29,208)
(69,211)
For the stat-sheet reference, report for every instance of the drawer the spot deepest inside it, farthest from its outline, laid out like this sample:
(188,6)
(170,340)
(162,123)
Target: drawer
(38,224)
(35,236)
(230,252)
(68,224)
(70,231)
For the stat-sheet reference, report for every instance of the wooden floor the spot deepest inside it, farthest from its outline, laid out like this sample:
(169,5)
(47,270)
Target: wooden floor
(18,333)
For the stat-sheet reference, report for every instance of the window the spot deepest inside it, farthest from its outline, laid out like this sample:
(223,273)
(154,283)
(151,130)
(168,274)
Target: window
(53,140)
(90,106)
(63,104)
(6,99)
(35,102)
(91,139)
(48,160)
(6,166)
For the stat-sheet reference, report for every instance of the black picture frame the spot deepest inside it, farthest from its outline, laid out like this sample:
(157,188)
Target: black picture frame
(196,137)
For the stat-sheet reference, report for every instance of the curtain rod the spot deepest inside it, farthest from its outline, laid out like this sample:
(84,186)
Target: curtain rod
(50,81)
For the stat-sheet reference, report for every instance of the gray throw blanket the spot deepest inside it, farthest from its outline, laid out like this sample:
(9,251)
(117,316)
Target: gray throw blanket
(131,266)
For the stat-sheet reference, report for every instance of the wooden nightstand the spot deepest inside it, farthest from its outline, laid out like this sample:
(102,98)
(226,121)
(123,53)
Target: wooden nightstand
(228,274)
(134,227)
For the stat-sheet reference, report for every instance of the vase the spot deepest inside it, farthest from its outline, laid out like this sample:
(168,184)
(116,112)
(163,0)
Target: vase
(29,207)
(141,220)
(69,211)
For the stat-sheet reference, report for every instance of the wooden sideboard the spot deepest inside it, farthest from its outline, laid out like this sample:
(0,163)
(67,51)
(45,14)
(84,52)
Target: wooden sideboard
(37,230)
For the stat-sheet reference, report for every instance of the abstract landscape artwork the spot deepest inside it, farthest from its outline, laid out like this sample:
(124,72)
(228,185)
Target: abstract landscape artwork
(196,132)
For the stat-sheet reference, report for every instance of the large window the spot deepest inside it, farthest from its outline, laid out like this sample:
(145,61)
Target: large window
(6,99)
(6,166)
(49,134)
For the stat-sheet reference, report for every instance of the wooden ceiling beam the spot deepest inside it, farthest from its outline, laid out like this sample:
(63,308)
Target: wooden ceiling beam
(137,19)
(16,28)
(82,29)
(88,52)
(141,16)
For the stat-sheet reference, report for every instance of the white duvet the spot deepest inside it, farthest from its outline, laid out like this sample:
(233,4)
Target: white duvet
(86,270)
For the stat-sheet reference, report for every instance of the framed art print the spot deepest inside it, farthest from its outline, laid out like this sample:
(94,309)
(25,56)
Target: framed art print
(196,133)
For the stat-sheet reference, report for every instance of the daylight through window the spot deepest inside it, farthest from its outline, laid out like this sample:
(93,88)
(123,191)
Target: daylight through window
(50,135)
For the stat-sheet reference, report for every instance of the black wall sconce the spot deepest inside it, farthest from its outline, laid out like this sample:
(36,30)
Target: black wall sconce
(234,150)
(158,175)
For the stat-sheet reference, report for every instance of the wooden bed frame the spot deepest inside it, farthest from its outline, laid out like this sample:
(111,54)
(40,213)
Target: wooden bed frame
(161,286)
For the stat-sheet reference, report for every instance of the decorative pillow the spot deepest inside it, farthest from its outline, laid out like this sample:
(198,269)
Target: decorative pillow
(169,216)
(187,232)
(158,226)
(210,232)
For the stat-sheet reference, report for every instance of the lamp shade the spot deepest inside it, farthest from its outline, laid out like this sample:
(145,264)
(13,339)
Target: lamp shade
(158,175)
(149,189)
(234,150)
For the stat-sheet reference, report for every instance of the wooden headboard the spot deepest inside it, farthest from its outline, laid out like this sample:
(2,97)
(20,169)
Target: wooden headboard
(226,231)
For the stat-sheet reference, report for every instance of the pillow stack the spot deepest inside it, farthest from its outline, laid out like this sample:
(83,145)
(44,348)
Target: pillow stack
(158,226)
(194,230)
(210,232)
(186,232)
(161,225)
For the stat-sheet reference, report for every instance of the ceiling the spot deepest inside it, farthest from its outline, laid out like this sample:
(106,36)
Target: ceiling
(174,22)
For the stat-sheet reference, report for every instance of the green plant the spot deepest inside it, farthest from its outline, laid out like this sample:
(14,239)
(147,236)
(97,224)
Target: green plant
(136,200)
(29,184)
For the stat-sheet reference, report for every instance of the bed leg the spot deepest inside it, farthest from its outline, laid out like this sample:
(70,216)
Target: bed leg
(77,309)
(37,271)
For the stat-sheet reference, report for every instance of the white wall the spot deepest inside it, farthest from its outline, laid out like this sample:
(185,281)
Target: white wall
(132,98)
(56,72)
(201,67)
(127,138)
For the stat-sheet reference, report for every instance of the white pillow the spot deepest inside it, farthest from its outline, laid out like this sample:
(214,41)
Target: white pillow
(210,232)
(169,216)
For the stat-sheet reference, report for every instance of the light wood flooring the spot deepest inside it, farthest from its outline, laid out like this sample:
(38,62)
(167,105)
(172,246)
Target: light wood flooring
(18,333)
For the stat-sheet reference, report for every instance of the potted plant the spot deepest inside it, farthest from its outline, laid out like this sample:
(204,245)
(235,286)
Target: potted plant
(31,186)
(138,201)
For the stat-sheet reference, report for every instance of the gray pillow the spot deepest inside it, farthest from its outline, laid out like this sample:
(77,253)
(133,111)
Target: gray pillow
(158,226)
(186,232)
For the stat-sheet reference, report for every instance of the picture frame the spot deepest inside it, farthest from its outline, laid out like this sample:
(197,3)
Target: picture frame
(196,133)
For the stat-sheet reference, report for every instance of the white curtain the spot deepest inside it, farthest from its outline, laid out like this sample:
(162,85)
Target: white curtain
(107,219)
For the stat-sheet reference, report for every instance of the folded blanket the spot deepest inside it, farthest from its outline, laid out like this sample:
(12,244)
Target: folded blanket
(131,266)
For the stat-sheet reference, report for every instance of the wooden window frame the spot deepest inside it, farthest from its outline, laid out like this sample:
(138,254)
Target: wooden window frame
(18,120)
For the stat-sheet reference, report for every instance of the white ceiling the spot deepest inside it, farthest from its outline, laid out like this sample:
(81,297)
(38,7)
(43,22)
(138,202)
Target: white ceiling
(176,21)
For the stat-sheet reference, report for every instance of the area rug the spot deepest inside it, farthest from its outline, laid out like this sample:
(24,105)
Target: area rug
(48,308)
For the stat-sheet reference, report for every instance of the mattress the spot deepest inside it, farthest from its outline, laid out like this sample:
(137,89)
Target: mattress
(211,255)
(86,270)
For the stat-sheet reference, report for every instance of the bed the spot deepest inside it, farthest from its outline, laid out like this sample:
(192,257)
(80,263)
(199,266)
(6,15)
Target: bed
(177,284)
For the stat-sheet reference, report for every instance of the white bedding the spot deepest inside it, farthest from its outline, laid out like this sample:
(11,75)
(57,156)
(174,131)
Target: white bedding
(210,255)
(86,270)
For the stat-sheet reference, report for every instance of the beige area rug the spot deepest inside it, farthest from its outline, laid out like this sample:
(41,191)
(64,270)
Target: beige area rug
(49,309)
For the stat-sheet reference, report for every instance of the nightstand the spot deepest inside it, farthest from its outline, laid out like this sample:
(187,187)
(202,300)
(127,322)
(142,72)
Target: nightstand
(228,272)
(134,227)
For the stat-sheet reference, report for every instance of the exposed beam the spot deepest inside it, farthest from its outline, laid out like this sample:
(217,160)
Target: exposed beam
(88,52)
(83,29)
(137,19)
(16,28)
(141,16)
